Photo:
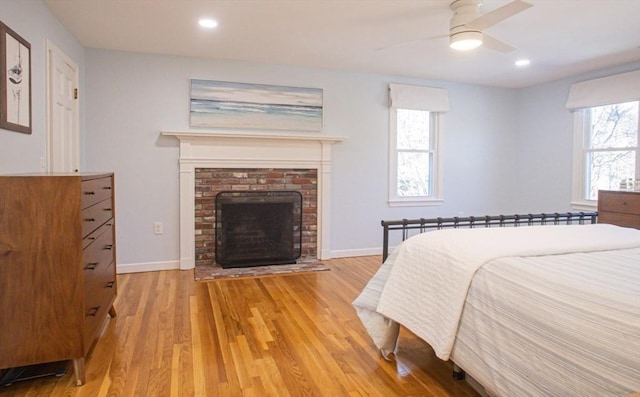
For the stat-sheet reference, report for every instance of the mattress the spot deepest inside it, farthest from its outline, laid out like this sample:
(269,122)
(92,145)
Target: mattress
(467,293)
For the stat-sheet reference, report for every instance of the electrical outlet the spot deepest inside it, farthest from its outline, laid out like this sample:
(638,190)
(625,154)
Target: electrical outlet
(157,227)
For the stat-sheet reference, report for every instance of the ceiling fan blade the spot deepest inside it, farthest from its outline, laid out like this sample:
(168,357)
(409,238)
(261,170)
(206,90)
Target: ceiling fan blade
(404,43)
(495,44)
(498,15)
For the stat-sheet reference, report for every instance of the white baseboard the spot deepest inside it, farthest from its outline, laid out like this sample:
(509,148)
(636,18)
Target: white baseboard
(356,252)
(147,267)
(171,265)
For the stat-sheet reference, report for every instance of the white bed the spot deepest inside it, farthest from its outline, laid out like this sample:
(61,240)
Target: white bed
(531,311)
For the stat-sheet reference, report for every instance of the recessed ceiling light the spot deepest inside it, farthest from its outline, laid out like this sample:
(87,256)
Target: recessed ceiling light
(208,23)
(522,63)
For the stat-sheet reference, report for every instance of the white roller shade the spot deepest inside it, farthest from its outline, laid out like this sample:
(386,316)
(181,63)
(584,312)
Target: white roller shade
(619,88)
(418,97)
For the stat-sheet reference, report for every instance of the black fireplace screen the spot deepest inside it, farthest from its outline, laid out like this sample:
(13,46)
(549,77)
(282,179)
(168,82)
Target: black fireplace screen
(255,228)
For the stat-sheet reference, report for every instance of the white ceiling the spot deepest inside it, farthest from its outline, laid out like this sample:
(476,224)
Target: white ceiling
(560,37)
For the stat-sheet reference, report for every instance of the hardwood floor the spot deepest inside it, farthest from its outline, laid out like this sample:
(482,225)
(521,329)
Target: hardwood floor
(294,335)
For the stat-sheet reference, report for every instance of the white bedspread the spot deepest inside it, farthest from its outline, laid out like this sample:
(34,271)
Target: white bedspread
(428,282)
(554,325)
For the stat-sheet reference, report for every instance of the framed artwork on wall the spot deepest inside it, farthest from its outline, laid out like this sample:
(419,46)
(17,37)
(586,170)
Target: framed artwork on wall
(15,81)
(255,106)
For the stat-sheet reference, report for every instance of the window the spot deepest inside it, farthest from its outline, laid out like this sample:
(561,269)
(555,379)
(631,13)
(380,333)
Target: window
(414,155)
(606,135)
(415,171)
(610,146)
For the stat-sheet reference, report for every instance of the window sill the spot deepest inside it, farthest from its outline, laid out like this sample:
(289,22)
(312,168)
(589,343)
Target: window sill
(414,202)
(591,205)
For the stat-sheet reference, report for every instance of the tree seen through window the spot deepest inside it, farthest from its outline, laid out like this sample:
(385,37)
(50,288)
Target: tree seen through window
(611,146)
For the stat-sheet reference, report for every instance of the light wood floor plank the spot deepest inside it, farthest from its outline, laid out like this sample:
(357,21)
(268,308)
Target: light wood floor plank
(199,375)
(291,335)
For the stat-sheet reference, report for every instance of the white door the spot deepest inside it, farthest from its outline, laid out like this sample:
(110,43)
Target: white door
(62,143)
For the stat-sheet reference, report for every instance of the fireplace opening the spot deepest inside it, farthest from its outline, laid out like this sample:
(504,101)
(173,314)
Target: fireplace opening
(255,228)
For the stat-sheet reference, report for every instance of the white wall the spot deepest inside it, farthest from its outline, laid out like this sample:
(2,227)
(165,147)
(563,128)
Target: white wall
(545,143)
(132,97)
(35,23)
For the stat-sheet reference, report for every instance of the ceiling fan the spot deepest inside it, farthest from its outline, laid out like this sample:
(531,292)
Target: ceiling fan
(466,27)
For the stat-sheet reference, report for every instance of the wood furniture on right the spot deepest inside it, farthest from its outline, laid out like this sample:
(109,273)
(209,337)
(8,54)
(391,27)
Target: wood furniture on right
(57,266)
(619,207)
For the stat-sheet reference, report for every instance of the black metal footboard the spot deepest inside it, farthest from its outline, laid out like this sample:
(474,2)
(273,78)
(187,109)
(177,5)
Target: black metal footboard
(422,225)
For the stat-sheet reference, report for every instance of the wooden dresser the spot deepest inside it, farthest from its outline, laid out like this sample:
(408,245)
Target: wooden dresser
(57,266)
(619,207)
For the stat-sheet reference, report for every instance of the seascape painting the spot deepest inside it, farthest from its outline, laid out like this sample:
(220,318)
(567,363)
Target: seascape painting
(255,106)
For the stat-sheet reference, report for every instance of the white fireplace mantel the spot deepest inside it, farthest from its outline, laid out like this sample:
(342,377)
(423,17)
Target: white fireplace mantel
(242,150)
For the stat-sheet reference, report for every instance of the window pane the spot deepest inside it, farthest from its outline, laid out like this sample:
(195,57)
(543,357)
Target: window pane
(606,169)
(413,174)
(614,126)
(413,129)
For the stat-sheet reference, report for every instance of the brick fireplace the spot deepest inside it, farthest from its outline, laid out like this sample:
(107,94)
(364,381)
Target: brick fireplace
(211,181)
(296,157)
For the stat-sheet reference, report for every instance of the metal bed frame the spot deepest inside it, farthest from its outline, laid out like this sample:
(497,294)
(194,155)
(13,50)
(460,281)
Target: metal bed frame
(423,225)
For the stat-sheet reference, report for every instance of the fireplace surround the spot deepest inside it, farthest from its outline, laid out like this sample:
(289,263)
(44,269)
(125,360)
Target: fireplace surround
(206,149)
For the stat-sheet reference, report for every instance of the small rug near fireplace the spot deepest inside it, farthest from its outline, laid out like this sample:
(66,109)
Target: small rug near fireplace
(204,273)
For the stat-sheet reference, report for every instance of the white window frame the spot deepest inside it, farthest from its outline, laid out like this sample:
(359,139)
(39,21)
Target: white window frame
(435,147)
(581,149)
(619,88)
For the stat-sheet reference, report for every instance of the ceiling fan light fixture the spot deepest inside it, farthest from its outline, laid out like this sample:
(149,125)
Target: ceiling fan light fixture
(465,41)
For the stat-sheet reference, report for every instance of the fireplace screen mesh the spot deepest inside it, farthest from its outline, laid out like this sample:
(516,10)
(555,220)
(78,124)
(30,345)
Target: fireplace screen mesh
(255,228)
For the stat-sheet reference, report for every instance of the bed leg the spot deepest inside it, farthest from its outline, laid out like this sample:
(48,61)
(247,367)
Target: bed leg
(458,373)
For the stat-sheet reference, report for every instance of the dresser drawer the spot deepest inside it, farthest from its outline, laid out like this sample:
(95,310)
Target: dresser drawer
(98,254)
(95,285)
(96,215)
(616,218)
(97,304)
(621,202)
(95,190)
(88,240)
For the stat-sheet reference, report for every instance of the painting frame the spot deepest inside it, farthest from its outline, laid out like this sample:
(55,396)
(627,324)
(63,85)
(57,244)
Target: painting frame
(15,83)
(225,104)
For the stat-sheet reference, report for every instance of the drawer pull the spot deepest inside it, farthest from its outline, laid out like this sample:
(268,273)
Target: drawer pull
(106,209)
(93,311)
(108,247)
(91,238)
(89,220)
(107,187)
(90,193)
(110,284)
(91,266)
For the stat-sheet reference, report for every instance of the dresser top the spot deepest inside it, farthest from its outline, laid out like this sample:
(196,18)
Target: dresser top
(621,191)
(83,175)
